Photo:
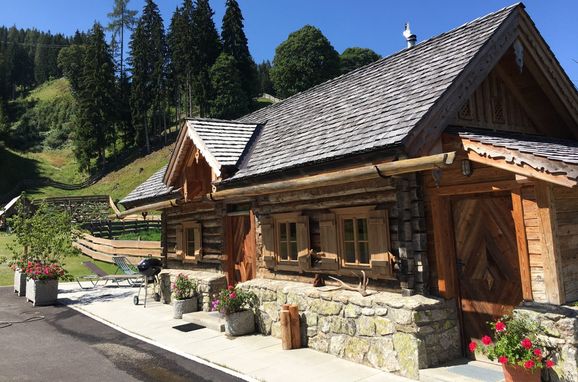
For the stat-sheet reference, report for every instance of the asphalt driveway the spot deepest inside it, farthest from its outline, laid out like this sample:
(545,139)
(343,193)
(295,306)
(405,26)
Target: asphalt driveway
(67,346)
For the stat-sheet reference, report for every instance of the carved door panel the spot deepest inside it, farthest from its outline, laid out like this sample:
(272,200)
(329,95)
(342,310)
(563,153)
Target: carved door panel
(487,261)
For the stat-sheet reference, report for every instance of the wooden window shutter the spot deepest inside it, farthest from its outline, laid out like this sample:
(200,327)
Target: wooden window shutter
(198,241)
(328,237)
(302,236)
(179,245)
(268,236)
(378,229)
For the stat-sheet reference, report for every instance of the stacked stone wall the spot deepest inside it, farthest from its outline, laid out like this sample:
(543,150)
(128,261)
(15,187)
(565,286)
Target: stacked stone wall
(386,330)
(209,284)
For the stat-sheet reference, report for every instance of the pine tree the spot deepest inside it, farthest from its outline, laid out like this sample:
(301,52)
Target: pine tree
(96,100)
(207,47)
(235,44)
(121,18)
(148,58)
(41,71)
(264,82)
(229,99)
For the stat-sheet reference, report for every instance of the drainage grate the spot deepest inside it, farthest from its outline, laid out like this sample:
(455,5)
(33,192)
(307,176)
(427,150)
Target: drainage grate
(188,327)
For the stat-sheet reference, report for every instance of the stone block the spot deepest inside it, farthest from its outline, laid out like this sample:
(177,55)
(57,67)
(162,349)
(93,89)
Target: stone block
(380,311)
(281,297)
(320,343)
(383,326)
(407,347)
(382,356)
(368,311)
(352,311)
(310,319)
(337,345)
(324,324)
(365,326)
(401,316)
(343,326)
(326,308)
(356,349)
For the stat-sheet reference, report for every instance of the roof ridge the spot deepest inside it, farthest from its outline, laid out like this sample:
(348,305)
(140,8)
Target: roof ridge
(382,60)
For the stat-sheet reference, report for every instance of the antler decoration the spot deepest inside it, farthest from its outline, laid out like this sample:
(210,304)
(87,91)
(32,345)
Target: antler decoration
(361,288)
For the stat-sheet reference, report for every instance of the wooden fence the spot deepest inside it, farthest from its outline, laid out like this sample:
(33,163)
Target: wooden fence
(112,229)
(104,249)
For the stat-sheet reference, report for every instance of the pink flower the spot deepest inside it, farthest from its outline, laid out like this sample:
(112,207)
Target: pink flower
(230,287)
(550,363)
(233,295)
(526,343)
(500,326)
(472,346)
(486,340)
(503,360)
(529,364)
(537,352)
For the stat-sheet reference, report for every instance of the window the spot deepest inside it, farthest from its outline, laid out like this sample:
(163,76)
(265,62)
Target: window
(287,234)
(189,242)
(355,241)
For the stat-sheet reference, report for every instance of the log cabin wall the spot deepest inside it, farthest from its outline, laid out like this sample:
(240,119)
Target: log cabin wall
(566,213)
(210,217)
(399,196)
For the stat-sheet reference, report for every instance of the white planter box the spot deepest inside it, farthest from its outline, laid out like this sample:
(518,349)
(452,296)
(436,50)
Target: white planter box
(19,283)
(240,323)
(181,307)
(42,292)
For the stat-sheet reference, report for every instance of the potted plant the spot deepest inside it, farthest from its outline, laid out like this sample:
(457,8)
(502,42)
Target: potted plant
(516,347)
(237,306)
(18,265)
(42,282)
(184,295)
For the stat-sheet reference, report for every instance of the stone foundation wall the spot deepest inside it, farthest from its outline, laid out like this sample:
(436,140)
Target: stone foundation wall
(209,284)
(561,337)
(385,330)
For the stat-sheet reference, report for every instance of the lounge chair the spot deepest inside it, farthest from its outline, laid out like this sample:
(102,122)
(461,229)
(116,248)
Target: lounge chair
(98,274)
(124,265)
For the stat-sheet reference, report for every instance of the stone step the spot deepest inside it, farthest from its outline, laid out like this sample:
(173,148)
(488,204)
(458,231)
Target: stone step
(210,320)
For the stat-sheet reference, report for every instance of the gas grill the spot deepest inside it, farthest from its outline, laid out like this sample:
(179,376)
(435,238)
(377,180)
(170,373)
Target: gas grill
(150,269)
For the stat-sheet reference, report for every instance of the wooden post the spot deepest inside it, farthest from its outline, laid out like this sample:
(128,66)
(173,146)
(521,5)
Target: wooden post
(285,319)
(295,326)
(522,244)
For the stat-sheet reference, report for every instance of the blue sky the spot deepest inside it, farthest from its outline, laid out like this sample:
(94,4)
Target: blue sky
(376,24)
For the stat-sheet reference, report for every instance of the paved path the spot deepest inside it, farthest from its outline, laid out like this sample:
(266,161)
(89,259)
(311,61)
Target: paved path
(256,357)
(69,346)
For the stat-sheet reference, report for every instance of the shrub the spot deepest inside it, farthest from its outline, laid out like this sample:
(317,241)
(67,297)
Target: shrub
(183,287)
(233,300)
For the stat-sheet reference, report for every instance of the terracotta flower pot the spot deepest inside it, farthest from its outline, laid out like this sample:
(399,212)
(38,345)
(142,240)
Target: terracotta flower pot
(42,292)
(240,323)
(514,373)
(187,305)
(19,283)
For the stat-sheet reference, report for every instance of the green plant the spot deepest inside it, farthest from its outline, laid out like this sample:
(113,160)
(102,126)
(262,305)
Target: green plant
(46,271)
(515,343)
(233,300)
(183,287)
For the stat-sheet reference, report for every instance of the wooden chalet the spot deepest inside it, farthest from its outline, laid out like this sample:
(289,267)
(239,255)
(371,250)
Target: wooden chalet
(448,169)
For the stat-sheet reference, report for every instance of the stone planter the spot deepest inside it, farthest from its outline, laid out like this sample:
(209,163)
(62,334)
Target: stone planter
(514,373)
(240,323)
(181,307)
(42,292)
(19,283)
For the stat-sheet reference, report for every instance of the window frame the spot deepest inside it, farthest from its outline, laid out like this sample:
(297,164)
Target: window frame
(288,218)
(355,213)
(197,255)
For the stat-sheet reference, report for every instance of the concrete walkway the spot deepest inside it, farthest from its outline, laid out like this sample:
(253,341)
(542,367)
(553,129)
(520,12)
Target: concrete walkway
(251,358)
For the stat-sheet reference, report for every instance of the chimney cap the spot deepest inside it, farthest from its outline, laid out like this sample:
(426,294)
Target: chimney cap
(409,37)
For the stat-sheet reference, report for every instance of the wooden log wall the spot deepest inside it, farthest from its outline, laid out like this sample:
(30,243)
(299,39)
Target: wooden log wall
(210,216)
(566,207)
(398,195)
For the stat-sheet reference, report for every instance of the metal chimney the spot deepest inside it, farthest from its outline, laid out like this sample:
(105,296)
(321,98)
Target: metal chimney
(409,37)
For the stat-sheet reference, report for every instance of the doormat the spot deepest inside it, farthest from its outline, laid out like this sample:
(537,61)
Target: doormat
(188,327)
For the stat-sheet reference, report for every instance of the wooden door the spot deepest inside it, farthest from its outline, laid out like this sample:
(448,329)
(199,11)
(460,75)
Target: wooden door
(487,261)
(241,264)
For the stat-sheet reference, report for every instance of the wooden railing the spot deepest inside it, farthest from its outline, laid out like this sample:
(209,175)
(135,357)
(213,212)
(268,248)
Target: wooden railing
(114,228)
(104,249)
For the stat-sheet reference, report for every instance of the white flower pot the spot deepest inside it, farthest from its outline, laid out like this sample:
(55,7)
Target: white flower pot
(240,323)
(42,292)
(19,283)
(181,307)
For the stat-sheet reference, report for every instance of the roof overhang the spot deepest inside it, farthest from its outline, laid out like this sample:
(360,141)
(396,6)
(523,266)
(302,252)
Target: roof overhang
(511,155)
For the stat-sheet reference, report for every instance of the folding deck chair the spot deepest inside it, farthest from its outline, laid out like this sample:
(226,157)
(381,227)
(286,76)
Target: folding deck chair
(99,274)
(124,265)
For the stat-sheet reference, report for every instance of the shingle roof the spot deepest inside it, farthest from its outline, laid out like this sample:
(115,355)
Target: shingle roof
(224,140)
(371,108)
(561,154)
(152,188)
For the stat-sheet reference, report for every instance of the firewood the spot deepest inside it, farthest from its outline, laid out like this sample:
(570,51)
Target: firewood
(285,319)
(295,326)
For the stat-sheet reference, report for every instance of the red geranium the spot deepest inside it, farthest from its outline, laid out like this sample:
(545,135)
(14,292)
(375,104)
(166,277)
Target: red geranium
(486,340)
(526,343)
(529,364)
(500,326)
(550,363)
(537,352)
(473,346)
(503,360)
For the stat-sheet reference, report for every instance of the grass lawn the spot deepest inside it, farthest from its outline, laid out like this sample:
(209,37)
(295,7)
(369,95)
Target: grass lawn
(73,264)
(146,235)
